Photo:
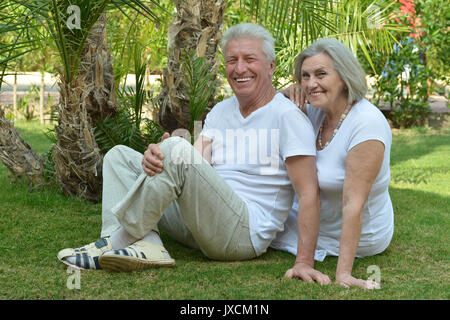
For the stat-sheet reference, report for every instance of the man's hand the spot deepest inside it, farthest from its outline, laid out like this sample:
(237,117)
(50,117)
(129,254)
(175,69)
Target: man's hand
(307,273)
(152,161)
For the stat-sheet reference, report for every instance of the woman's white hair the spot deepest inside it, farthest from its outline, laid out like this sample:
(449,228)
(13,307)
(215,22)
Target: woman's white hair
(251,30)
(344,62)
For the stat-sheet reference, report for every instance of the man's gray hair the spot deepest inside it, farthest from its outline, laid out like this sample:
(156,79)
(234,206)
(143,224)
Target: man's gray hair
(251,30)
(344,62)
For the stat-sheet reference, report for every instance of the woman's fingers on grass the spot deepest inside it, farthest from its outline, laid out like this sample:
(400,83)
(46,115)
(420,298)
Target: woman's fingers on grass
(321,278)
(370,284)
(289,274)
(294,273)
(360,283)
(310,276)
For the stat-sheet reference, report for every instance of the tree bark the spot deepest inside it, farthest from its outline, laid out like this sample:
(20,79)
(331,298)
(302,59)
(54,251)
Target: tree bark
(15,100)
(196,28)
(42,97)
(97,69)
(77,158)
(88,98)
(17,155)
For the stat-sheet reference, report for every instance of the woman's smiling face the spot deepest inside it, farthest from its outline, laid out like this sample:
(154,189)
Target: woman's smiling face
(321,82)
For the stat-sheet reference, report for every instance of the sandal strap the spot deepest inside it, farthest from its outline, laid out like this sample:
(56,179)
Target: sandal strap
(95,249)
(82,254)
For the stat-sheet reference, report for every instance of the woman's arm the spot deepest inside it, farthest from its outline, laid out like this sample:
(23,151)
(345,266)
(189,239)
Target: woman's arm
(363,164)
(302,173)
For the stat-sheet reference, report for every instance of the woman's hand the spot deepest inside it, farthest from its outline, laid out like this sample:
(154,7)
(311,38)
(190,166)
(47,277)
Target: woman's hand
(152,161)
(347,280)
(307,273)
(295,93)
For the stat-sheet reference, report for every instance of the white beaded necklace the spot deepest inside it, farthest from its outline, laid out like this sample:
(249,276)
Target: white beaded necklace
(341,119)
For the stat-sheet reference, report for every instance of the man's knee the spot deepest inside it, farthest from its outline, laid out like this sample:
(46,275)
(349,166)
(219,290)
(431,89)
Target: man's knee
(171,142)
(118,154)
(113,153)
(177,150)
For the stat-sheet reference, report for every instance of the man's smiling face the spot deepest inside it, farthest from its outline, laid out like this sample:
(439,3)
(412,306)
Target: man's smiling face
(248,71)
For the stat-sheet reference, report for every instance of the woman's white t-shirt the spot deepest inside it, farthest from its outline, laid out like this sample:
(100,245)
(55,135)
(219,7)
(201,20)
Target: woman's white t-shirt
(363,122)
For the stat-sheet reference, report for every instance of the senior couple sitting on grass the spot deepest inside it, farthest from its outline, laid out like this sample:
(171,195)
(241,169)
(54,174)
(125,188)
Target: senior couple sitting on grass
(305,170)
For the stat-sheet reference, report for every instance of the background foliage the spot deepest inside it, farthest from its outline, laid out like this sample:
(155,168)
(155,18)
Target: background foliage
(29,41)
(417,66)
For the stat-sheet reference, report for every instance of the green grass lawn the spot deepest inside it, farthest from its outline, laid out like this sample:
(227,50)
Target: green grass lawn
(34,226)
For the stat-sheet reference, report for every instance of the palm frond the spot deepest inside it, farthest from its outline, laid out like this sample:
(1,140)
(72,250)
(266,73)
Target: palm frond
(200,86)
(54,15)
(14,31)
(121,130)
(361,24)
(127,127)
(283,17)
(141,8)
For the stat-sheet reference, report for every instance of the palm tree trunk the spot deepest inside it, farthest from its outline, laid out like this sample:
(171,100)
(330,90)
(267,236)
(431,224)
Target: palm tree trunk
(77,158)
(89,97)
(17,155)
(15,96)
(96,66)
(196,28)
(42,97)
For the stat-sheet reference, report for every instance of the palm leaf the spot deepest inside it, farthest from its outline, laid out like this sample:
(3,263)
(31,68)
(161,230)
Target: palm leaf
(14,30)
(361,24)
(121,130)
(200,86)
(53,16)
(282,17)
(126,127)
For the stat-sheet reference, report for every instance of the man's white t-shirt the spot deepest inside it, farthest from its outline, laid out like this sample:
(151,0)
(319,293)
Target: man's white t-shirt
(249,154)
(363,122)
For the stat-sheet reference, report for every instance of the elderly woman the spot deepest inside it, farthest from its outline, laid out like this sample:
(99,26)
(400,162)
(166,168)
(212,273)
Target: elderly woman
(353,141)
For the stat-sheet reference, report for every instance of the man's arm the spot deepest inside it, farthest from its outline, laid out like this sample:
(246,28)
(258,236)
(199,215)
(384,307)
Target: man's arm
(303,175)
(152,161)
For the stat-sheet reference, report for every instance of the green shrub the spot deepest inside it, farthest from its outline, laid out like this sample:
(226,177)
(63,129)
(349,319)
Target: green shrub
(128,127)
(404,85)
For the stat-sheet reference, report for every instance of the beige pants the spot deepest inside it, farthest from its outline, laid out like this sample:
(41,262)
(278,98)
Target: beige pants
(188,200)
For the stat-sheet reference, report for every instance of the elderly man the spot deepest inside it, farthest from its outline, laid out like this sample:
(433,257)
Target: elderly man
(230,193)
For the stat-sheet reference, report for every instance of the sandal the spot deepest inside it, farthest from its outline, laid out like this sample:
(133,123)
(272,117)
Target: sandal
(85,257)
(140,255)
